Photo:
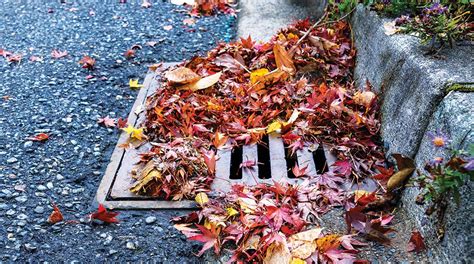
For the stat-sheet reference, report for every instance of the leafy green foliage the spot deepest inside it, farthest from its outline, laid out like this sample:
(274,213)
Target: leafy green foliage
(438,25)
(445,178)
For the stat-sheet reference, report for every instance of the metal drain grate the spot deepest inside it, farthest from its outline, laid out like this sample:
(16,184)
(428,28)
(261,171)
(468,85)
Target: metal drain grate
(273,159)
(273,163)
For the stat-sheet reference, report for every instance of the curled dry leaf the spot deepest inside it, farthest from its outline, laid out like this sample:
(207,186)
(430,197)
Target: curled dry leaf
(181,75)
(406,166)
(203,83)
(390,28)
(302,245)
(364,98)
(129,53)
(146,175)
(416,242)
(277,253)
(283,59)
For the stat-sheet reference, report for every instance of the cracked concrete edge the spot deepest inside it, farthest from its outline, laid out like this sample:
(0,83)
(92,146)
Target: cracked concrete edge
(417,98)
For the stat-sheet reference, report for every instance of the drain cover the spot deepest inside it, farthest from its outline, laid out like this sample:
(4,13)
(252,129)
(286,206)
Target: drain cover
(272,158)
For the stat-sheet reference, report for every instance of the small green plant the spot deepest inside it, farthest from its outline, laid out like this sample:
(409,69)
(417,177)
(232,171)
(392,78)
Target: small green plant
(444,178)
(438,25)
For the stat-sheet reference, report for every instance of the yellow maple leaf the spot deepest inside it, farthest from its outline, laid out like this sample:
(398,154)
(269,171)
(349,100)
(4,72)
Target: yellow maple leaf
(297,261)
(275,127)
(257,74)
(293,36)
(134,84)
(136,133)
(231,211)
(201,198)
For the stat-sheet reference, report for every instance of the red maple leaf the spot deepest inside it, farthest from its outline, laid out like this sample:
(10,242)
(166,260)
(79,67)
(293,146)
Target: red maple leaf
(299,172)
(105,216)
(107,121)
(208,237)
(87,62)
(210,160)
(5,53)
(278,215)
(14,58)
(121,122)
(416,242)
(56,216)
(39,137)
(247,42)
(343,167)
(384,174)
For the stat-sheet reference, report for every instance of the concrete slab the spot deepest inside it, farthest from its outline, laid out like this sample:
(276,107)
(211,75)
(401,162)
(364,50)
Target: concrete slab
(261,19)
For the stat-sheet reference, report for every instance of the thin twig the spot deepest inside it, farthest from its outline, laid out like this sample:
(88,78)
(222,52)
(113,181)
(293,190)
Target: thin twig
(315,25)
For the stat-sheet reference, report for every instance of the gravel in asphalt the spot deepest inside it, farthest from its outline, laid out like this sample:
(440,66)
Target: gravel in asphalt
(55,97)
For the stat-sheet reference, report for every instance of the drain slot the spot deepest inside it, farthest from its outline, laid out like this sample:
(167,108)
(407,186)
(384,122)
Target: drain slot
(319,158)
(291,161)
(264,167)
(235,161)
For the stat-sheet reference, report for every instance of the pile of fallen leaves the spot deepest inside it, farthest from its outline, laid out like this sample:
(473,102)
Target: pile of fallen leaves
(263,223)
(298,85)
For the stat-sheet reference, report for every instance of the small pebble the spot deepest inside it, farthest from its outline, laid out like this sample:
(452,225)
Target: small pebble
(150,220)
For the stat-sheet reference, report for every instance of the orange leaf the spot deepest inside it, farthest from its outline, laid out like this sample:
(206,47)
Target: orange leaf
(283,59)
(39,137)
(56,216)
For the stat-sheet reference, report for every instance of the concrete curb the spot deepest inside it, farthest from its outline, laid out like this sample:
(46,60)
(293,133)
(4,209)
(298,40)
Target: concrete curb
(413,88)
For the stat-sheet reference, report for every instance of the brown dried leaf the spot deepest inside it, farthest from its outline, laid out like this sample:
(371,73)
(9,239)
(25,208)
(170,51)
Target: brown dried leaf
(181,75)
(283,59)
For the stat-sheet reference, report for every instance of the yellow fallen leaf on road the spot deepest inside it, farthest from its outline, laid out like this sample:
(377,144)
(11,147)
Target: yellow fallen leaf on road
(201,198)
(134,84)
(136,133)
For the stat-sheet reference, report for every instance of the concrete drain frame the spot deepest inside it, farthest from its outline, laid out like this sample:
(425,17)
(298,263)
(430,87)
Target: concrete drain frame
(273,159)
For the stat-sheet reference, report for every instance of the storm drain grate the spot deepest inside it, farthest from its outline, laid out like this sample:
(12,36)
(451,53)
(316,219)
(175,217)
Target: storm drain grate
(272,157)
(273,162)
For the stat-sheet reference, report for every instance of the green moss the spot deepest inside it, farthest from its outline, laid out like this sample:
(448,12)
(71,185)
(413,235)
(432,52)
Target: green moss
(460,87)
